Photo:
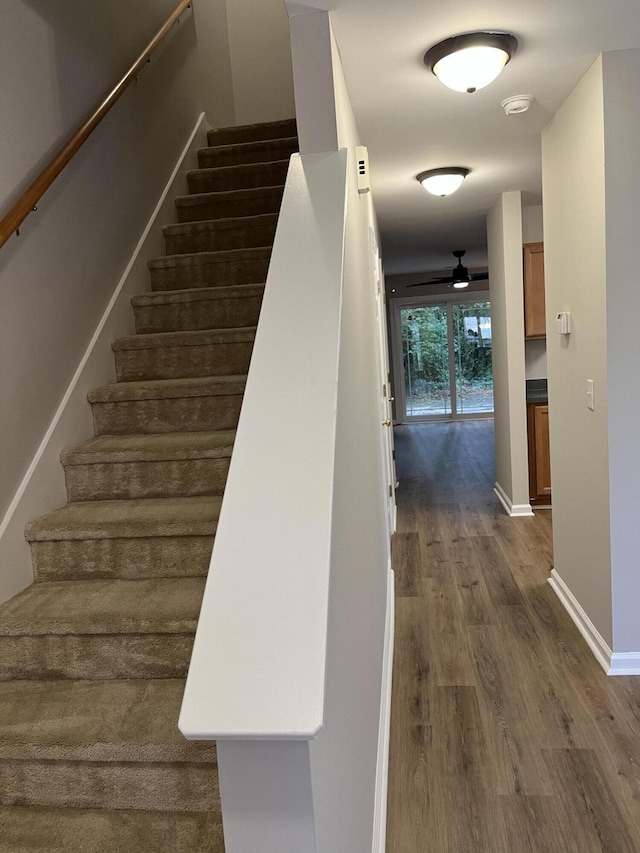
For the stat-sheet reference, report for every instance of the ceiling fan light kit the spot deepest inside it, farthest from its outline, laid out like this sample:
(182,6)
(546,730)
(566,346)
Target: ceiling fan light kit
(468,62)
(444,181)
(460,276)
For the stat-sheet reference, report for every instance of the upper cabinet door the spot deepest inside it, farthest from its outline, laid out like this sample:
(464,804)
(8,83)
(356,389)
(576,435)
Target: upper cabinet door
(534,308)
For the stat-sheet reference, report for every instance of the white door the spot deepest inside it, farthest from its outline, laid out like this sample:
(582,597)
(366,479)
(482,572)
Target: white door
(384,380)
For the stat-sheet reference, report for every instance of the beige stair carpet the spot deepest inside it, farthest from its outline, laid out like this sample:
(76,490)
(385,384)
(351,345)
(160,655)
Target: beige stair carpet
(94,654)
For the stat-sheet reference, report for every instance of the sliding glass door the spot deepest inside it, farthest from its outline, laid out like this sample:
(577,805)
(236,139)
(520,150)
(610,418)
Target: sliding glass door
(445,352)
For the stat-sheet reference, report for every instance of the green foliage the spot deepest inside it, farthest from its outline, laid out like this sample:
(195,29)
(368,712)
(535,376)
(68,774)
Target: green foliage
(425,354)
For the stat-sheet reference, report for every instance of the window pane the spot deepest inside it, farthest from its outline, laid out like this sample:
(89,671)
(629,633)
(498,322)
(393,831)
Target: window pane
(425,357)
(472,346)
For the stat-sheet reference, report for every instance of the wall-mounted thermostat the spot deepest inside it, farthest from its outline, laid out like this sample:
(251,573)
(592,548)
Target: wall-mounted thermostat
(563,323)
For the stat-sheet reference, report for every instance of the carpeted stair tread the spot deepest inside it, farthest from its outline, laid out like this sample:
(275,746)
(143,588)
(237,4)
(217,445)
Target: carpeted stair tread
(197,338)
(239,177)
(229,203)
(153,299)
(155,405)
(253,132)
(210,269)
(119,720)
(228,223)
(260,151)
(217,235)
(200,259)
(184,354)
(128,519)
(158,606)
(236,306)
(161,389)
(39,830)
(109,449)
(161,465)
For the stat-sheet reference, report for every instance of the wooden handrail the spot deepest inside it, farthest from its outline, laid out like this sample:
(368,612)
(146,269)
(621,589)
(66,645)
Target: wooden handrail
(26,204)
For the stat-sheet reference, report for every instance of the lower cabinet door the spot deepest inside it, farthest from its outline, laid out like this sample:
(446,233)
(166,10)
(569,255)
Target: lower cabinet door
(539,455)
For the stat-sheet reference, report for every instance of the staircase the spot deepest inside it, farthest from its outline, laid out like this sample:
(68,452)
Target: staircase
(94,654)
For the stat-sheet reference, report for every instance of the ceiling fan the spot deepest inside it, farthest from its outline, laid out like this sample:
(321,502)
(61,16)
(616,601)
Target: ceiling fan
(460,276)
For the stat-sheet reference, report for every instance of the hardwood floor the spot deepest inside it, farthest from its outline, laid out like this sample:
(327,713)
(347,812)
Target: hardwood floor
(506,735)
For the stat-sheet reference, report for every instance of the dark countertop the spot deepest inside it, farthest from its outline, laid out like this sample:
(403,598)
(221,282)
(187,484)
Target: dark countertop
(537,391)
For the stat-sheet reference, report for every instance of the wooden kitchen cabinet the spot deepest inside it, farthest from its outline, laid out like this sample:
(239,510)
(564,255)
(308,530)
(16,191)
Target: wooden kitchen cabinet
(539,455)
(534,307)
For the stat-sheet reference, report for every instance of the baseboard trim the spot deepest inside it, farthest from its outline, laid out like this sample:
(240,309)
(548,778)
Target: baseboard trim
(593,637)
(613,663)
(512,510)
(382,771)
(42,487)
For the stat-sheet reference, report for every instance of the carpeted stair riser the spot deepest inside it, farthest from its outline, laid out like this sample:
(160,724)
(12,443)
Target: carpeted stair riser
(167,415)
(210,269)
(241,177)
(218,235)
(39,830)
(180,355)
(170,787)
(118,481)
(213,405)
(263,151)
(142,466)
(100,629)
(125,720)
(130,559)
(252,132)
(202,308)
(91,656)
(222,205)
(153,538)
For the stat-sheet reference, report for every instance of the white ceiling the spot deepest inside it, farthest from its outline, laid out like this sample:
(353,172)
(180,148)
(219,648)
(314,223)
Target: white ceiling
(411,122)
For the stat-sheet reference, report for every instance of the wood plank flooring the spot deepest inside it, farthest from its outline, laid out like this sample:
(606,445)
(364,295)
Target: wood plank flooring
(506,735)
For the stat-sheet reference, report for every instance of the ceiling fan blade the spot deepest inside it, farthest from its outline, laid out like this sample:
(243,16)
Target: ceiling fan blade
(478,276)
(446,280)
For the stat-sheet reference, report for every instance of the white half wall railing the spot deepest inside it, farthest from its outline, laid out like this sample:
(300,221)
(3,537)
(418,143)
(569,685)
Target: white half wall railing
(258,663)
(290,672)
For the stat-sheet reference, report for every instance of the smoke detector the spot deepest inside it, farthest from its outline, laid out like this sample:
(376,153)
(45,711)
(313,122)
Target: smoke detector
(516,104)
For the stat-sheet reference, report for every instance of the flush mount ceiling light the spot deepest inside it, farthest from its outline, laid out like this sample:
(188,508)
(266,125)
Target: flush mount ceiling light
(471,61)
(442,181)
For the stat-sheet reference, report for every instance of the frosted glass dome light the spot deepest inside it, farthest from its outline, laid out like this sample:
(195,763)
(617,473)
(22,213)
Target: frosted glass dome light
(470,62)
(444,181)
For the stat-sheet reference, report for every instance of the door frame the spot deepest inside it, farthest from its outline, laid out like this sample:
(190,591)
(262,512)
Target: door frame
(397,359)
(384,383)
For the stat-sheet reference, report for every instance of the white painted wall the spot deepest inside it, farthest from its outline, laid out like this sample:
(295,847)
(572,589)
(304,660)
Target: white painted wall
(535,356)
(344,756)
(575,238)
(532,224)
(214,62)
(56,279)
(621,78)
(260,59)
(504,245)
